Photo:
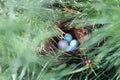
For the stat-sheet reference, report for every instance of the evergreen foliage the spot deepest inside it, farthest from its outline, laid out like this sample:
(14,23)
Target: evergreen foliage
(26,25)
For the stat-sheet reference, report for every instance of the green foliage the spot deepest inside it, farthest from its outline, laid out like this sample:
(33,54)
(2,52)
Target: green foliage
(26,25)
(105,53)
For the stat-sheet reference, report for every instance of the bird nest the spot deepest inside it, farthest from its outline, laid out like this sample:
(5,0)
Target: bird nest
(51,46)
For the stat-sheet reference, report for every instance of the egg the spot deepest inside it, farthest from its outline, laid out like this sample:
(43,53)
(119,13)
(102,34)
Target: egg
(68,37)
(62,44)
(70,48)
(74,43)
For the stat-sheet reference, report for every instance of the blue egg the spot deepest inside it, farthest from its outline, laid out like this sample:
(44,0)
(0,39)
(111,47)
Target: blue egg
(71,48)
(68,37)
(74,43)
(62,44)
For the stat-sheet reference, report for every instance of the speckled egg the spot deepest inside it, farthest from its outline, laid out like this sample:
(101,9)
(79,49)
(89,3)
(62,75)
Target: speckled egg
(62,44)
